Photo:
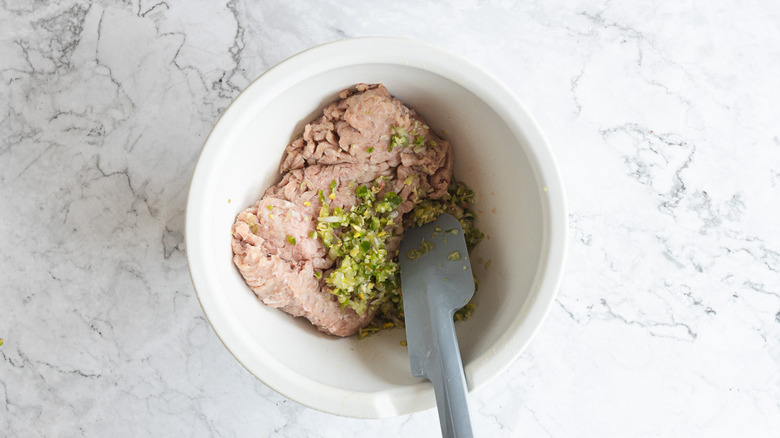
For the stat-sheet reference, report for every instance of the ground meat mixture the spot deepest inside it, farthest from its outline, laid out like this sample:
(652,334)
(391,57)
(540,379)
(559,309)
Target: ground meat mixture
(366,138)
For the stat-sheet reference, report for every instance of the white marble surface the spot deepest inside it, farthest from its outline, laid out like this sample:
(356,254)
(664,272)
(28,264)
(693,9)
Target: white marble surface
(663,117)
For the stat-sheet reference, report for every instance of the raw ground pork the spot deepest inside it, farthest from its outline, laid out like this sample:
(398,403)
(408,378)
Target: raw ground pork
(348,143)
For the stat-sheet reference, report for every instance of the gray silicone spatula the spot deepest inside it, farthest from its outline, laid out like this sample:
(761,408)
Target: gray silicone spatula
(436,281)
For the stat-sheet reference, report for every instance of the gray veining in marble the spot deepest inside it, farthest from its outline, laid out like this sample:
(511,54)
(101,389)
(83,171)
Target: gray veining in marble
(663,117)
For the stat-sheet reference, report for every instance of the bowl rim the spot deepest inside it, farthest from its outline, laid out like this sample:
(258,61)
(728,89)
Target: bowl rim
(407,52)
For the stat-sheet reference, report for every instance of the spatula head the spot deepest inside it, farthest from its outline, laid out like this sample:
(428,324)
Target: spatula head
(435,274)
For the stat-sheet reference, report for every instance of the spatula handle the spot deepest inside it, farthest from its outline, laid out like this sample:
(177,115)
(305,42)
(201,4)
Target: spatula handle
(449,382)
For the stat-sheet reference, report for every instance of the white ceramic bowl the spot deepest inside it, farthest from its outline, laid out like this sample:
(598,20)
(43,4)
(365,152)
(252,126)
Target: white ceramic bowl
(499,151)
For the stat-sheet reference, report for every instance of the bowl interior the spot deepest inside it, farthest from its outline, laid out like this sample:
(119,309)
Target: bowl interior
(246,149)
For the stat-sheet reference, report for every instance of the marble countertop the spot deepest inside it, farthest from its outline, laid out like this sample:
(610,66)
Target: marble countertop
(663,117)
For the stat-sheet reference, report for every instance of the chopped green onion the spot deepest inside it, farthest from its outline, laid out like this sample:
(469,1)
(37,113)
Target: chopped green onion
(458,203)
(425,246)
(366,276)
(363,192)
(453,256)
(399,139)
